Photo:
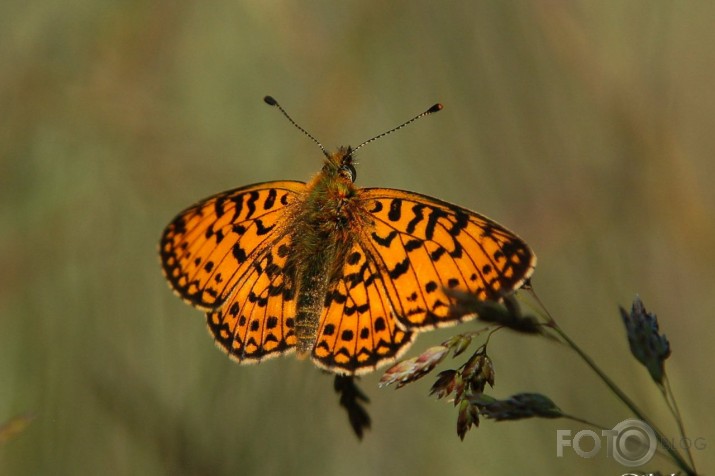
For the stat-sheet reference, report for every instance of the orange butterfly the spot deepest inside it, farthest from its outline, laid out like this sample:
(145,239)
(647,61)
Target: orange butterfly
(347,275)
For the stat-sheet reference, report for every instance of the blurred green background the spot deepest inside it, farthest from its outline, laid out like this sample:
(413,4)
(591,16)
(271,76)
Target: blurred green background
(586,127)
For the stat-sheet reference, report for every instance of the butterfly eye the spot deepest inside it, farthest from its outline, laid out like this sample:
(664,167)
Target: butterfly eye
(348,171)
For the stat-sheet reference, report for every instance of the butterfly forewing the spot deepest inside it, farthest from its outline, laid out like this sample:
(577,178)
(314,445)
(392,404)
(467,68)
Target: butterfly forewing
(423,245)
(209,247)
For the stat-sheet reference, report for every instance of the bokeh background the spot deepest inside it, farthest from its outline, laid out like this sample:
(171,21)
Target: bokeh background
(586,127)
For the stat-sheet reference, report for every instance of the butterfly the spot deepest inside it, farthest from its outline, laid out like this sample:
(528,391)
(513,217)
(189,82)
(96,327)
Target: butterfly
(342,274)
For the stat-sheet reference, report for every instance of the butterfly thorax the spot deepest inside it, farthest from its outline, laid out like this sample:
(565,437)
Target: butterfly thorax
(323,233)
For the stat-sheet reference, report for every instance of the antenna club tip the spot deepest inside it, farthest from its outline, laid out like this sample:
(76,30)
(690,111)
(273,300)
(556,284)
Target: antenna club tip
(270,101)
(437,107)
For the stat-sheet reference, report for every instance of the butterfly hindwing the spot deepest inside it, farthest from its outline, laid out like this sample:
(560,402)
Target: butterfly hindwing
(258,319)
(358,329)
(424,245)
(208,248)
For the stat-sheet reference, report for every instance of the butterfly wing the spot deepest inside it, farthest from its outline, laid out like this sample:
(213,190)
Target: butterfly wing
(208,248)
(423,245)
(358,328)
(258,319)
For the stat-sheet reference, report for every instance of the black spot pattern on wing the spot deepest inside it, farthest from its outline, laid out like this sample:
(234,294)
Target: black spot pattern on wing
(207,249)
(258,319)
(422,245)
(358,328)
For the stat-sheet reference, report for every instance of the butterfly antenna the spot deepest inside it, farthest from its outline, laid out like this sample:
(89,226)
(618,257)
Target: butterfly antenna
(272,102)
(436,108)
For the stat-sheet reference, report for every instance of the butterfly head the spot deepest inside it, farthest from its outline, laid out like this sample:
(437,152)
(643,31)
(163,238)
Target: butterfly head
(340,164)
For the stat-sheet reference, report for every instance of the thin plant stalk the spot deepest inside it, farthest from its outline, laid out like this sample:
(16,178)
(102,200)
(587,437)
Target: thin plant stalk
(673,405)
(551,323)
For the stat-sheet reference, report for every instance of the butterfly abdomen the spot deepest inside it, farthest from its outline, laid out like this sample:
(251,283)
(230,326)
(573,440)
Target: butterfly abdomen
(312,287)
